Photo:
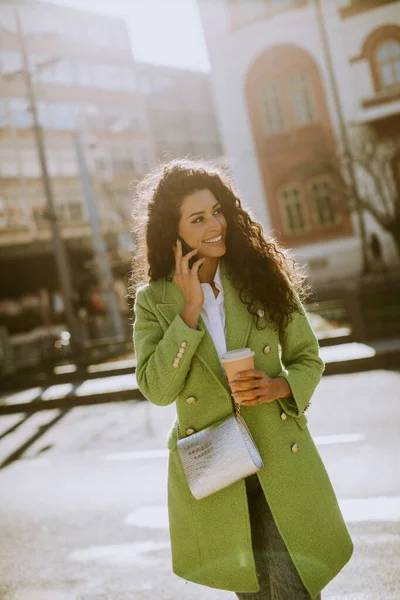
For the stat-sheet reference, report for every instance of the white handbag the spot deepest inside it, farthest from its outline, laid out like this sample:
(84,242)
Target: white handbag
(218,455)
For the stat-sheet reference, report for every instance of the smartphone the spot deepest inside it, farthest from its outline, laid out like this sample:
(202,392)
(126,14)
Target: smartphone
(185,249)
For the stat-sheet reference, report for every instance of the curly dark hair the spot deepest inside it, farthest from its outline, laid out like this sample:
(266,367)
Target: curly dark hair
(263,272)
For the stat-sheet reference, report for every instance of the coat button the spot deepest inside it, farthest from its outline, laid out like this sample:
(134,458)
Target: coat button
(283,416)
(295,448)
(267,349)
(183,344)
(189,431)
(176,362)
(181,352)
(260,312)
(191,400)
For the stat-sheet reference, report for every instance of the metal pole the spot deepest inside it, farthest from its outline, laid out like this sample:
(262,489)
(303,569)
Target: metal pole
(60,253)
(343,132)
(99,248)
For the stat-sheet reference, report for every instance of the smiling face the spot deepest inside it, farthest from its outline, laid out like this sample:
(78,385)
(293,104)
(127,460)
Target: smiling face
(202,220)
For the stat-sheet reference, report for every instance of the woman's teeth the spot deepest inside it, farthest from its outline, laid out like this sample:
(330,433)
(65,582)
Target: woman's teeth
(213,240)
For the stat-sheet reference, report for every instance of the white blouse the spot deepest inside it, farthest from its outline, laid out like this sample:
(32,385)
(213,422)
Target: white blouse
(213,313)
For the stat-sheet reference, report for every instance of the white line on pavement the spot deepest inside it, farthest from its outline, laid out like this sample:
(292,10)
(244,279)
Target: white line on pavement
(380,508)
(138,455)
(321,440)
(163,453)
(355,510)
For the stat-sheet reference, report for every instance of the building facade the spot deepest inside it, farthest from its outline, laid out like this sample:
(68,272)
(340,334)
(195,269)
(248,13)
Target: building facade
(181,112)
(284,93)
(84,79)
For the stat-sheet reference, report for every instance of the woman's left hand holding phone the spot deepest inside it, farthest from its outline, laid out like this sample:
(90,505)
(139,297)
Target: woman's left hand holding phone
(188,281)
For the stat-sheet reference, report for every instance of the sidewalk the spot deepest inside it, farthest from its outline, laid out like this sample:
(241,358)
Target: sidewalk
(116,381)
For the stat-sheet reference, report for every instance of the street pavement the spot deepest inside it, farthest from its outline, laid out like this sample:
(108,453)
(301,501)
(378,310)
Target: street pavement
(83,496)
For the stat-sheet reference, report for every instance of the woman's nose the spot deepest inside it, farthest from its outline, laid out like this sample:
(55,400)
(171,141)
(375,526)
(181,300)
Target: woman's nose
(215,224)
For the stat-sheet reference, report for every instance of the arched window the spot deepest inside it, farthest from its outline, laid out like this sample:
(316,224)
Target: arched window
(323,206)
(301,94)
(387,57)
(294,209)
(282,3)
(271,107)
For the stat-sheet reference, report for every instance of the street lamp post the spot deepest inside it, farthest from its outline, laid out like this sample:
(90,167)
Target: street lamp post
(343,133)
(99,248)
(60,253)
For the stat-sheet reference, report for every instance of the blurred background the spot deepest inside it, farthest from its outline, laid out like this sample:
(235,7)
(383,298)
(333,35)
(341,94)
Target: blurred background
(298,99)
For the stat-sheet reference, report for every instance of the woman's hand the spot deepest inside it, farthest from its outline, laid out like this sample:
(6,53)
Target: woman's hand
(188,279)
(253,387)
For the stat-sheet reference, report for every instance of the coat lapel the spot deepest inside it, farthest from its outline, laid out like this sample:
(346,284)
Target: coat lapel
(238,322)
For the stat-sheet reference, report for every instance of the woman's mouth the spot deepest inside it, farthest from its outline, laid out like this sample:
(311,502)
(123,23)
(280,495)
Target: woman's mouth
(214,240)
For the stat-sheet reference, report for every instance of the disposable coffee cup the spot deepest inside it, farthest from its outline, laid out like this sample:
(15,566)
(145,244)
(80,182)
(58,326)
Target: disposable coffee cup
(236,361)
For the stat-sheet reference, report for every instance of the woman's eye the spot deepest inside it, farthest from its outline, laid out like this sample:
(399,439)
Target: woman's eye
(217,210)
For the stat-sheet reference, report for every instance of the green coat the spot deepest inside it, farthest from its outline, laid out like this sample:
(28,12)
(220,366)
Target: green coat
(211,538)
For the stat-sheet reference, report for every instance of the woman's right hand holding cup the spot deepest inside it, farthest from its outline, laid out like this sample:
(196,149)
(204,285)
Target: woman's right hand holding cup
(187,279)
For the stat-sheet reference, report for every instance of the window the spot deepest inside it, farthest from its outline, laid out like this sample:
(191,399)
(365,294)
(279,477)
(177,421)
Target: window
(39,215)
(251,9)
(294,209)
(61,161)
(45,116)
(280,4)
(58,72)
(15,211)
(64,116)
(20,113)
(30,162)
(304,107)
(7,17)
(271,104)
(11,62)
(70,206)
(145,159)
(8,162)
(388,61)
(323,204)
(3,115)
(122,160)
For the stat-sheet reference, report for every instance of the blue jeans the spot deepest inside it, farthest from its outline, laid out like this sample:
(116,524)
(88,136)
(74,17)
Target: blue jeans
(277,575)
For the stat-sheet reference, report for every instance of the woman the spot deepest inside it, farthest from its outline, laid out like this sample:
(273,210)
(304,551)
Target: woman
(278,534)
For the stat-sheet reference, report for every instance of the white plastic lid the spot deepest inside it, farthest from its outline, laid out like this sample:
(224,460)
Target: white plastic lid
(237,354)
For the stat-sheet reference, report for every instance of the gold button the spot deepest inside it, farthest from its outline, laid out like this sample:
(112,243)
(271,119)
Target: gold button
(267,349)
(191,400)
(181,352)
(189,431)
(260,312)
(295,448)
(175,364)
(183,344)
(283,416)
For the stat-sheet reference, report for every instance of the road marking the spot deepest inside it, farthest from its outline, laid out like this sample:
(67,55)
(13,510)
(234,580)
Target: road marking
(138,455)
(355,510)
(122,553)
(40,594)
(346,438)
(350,351)
(153,517)
(319,440)
(380,508)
